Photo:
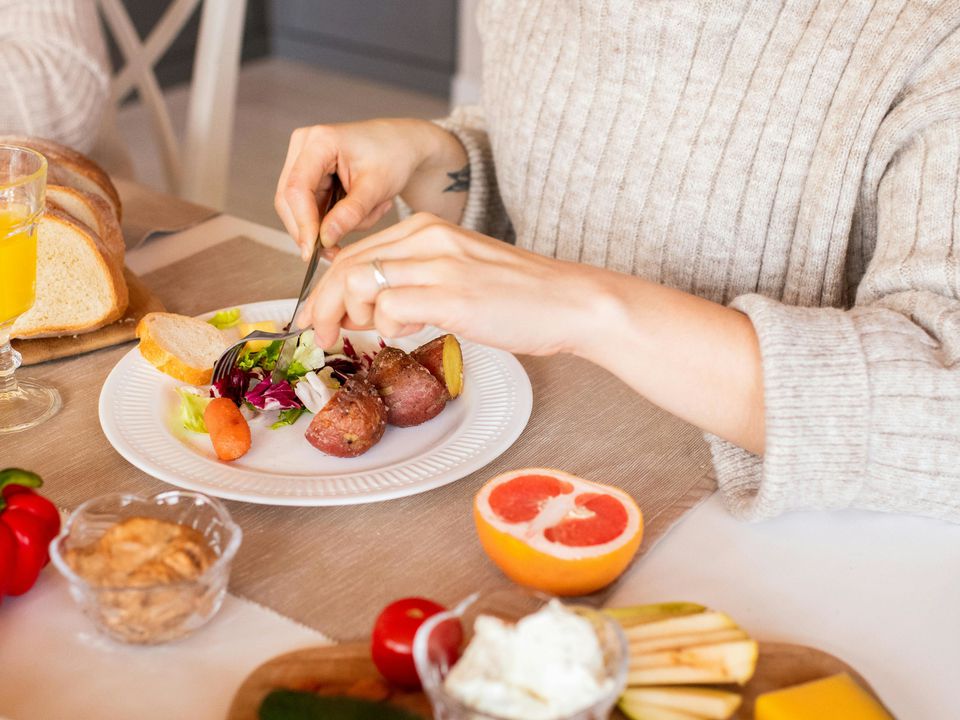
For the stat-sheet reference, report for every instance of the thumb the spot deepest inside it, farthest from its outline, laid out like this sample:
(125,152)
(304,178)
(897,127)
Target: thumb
(361,200)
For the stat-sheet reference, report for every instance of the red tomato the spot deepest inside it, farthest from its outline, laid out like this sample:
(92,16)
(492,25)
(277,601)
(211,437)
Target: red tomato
(392,642)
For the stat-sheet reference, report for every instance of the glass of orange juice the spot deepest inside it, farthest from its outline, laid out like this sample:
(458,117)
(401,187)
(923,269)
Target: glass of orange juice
(23,179)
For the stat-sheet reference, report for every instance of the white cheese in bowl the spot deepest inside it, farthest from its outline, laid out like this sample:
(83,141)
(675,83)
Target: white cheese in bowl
(547,666)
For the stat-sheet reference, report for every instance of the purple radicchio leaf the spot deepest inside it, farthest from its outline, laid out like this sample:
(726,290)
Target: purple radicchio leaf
(267,395)
(235,385)
(362,360)
(349,351)
(341,369)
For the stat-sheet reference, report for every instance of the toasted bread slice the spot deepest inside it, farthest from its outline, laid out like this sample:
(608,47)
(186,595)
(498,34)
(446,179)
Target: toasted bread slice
(68,167)
(182,347)
(80,284)
(93,211)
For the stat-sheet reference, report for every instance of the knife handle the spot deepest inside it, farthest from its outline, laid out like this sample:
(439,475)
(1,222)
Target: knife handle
(336,194)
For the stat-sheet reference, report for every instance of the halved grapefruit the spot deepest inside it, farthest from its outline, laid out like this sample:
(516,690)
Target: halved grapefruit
(556,532)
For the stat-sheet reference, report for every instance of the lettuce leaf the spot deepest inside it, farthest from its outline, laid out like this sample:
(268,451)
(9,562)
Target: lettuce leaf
(326,376)
(307,354)
(191,410)
(296,370)
(266,358)
(288,417)
(225,319)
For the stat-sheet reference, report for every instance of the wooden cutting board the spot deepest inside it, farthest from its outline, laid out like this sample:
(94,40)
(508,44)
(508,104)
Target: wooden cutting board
(331,670)
(142,301)
(348,669)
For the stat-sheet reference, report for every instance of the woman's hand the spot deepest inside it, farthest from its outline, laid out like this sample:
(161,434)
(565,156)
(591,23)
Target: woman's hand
(376,161)
(695,358)
(463,282)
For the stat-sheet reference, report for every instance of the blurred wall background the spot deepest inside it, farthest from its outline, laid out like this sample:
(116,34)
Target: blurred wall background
(177,64)
(425,45)
(308,62)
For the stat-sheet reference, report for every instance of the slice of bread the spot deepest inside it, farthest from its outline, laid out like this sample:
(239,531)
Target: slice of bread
(93,211)
(68,167)
(183,347)
(80,284)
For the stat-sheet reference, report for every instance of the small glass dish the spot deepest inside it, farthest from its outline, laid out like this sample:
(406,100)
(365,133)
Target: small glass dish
(511,605)
(157,613)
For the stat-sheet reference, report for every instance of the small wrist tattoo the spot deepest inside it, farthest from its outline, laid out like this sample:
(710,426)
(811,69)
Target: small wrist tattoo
(461,180)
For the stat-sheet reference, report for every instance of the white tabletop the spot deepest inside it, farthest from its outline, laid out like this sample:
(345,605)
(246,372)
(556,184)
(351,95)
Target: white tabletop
(881,592)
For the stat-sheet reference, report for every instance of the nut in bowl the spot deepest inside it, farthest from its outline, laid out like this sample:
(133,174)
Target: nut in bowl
(525,656)
(148,570)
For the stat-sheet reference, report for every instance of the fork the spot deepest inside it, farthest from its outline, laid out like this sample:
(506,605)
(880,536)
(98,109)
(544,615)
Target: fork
(228,358)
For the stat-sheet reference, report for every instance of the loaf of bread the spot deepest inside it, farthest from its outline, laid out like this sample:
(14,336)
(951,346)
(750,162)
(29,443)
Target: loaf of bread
(80,284)
(65,166)
(80,248)
(93,211)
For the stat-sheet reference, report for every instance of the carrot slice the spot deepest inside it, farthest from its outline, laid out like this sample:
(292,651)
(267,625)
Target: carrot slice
(229,431)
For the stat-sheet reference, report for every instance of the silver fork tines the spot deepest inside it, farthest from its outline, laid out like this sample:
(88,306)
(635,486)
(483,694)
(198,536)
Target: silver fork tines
(228,358)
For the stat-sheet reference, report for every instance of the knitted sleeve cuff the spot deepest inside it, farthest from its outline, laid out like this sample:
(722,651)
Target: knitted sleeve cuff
(483,182)
(484,211)
(817,406)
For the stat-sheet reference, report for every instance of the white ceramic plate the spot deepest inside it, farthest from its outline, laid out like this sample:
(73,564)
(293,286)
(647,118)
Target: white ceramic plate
(138,407)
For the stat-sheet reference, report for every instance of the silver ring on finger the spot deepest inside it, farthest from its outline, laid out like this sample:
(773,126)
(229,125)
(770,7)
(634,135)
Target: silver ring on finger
(378,275)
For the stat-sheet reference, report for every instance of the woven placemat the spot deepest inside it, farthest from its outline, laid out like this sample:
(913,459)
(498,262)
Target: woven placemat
(334,568)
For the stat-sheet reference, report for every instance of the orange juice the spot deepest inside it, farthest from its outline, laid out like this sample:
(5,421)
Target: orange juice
(18,263)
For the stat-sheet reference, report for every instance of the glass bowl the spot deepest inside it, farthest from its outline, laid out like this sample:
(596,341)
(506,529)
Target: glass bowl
(150,614)
(510,606)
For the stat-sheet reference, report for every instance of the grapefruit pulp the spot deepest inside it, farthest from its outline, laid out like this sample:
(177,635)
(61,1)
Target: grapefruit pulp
(556,532)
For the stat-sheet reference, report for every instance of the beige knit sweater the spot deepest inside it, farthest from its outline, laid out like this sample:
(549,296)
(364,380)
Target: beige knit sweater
(54,74)
(797,159)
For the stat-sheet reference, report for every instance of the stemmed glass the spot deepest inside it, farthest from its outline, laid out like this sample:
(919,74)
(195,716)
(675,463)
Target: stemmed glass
(23,177)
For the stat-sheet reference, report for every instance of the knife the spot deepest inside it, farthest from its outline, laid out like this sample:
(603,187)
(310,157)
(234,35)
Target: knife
(337,193)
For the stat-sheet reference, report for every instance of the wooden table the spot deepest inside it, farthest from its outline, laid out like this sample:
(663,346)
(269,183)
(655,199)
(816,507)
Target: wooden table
(880,591)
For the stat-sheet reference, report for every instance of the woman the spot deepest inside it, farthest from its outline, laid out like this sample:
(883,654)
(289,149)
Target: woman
(748,210)
(54,73)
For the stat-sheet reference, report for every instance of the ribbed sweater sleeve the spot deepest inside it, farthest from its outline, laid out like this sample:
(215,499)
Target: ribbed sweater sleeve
(484,211)
(54,78)
(863,405)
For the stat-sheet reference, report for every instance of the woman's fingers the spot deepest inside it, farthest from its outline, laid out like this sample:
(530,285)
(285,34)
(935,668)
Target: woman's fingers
(307,180)
(404,310)
(362,292)
(279,198)
(402,332)
(424,235)
(415,252)
(374,217)
(400,230)
(364,196)
(420,252)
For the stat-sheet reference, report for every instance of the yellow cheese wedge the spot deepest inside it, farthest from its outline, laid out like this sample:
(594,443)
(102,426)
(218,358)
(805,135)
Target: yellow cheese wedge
(247,328)
(833,698)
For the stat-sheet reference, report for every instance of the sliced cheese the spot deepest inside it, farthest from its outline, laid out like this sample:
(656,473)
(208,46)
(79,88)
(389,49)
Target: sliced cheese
(833,698)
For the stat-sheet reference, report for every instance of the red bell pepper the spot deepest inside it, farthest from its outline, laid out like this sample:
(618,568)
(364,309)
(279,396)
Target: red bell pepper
(28,522)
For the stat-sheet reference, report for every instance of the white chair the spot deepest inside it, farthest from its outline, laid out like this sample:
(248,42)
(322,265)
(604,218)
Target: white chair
(197,169)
